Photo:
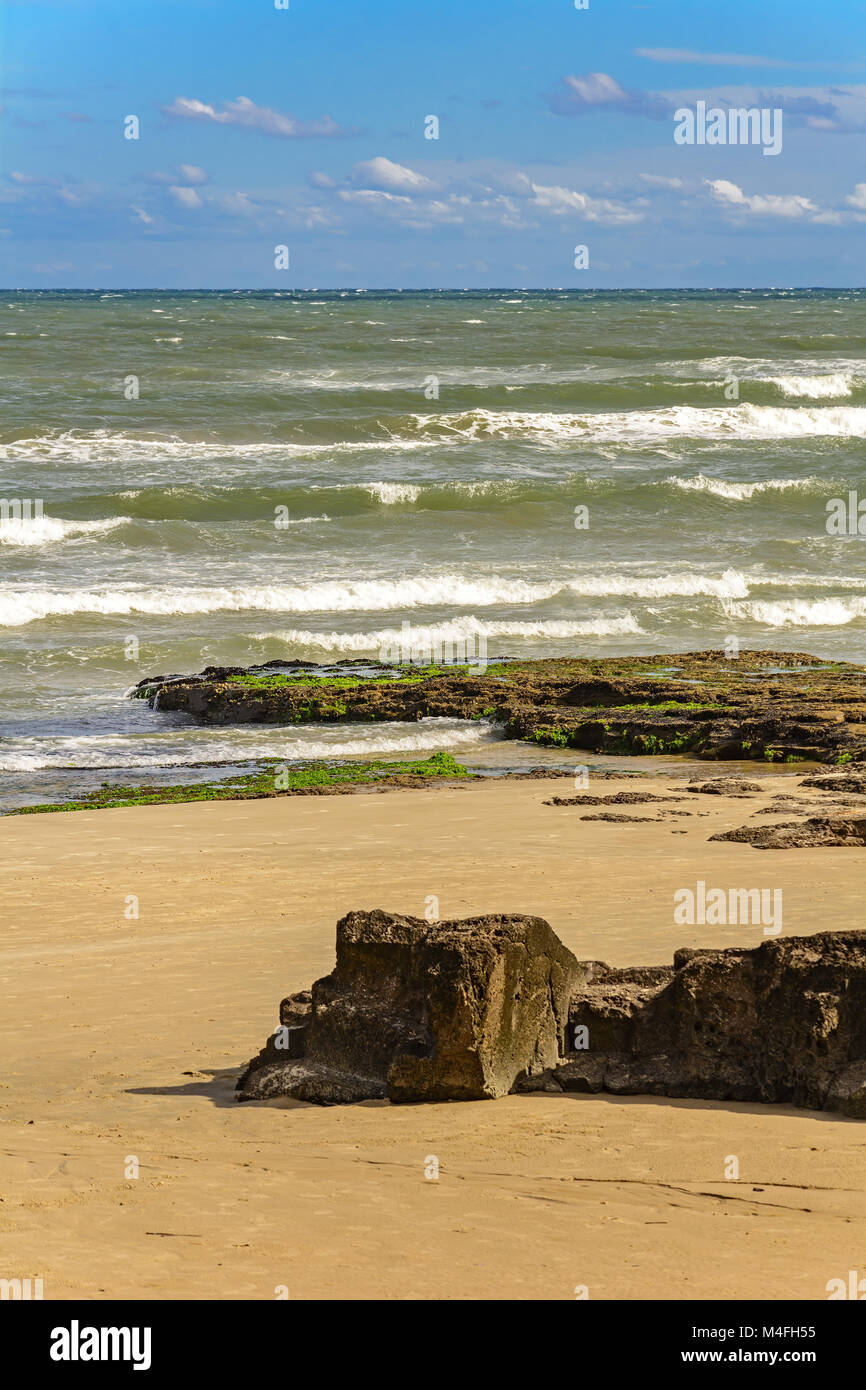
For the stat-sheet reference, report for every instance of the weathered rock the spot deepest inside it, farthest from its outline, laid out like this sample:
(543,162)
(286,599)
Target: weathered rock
(838,782)
(474,1009)
(784,1022)
(765,706)
(417,1010)
(842,832)
(615,799)
(725,786)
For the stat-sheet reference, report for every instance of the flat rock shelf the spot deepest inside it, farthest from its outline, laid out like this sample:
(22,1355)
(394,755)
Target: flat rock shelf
(767,706)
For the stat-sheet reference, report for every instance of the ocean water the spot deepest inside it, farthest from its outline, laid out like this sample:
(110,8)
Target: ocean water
(425,453)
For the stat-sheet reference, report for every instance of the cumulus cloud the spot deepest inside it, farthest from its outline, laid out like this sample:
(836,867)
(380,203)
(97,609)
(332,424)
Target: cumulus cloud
(191,173)
(184,173)
(594,91)
(661,181)
(244,113)
(385,174)
(185,197)
(372,196)
(857,199)
(762,204)
(826,108)
(558,200)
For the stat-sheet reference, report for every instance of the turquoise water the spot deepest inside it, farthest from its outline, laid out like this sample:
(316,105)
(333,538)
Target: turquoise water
(152,546)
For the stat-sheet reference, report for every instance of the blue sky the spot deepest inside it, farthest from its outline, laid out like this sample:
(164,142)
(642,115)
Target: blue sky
(305,127)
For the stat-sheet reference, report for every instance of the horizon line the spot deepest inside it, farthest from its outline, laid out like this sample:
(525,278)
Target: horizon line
(419,289)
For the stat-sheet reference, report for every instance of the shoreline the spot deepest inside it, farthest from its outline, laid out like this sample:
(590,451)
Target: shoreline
(762,707)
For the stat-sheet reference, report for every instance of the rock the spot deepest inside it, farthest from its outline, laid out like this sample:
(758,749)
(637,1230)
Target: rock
(615,799)
(838,782)
(843,832)
(765,706)
(784,1022)
(416,1010)
(474,1009)
(725,786)
(620,819)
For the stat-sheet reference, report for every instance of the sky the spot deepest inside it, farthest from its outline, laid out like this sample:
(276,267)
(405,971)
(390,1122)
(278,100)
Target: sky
(308,128)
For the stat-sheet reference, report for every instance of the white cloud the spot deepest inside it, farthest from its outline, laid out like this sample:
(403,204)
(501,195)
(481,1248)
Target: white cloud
(394,178)
(244,113)
(763,204)
(371,195)
(141,214)
(592,91)
(857,199)
(661,181)
(191,173)
(185,197)
(688,55)
(597,89)
(557,200)
(184,173)
(39,179)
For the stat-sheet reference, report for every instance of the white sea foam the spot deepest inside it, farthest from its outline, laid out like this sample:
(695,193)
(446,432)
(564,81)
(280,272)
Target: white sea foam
(391,493)
(832,384)
(744,421)
(20,606)
(426,734)
(43,530)
(825,612)
(742,492)
(244,745)
(110,446)
(454,630)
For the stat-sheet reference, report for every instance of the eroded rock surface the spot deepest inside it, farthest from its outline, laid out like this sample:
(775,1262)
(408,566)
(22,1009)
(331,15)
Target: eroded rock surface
(418,1010)
(475,1009)
(770,706)
(842,832)
(784,1022)
(725,786)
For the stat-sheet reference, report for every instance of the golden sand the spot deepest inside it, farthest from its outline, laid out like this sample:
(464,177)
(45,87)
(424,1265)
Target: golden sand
(123,1037)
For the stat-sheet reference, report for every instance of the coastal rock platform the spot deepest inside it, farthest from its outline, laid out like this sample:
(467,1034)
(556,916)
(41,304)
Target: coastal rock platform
(767,706)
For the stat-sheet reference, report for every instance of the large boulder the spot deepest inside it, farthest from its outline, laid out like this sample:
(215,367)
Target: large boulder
(785,1021)
(417,1010)
(471,1010)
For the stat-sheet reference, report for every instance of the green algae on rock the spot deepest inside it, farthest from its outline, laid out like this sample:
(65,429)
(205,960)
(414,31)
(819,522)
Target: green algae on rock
(275,779)
(764,705)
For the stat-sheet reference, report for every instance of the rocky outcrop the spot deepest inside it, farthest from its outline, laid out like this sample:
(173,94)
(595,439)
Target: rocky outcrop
(783,1022)
(725,786)
(833,832)
(475,1009)
(615,799)
(416,1010)
(775,707)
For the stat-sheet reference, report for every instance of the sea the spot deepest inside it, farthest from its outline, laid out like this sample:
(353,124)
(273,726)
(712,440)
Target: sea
(196,478)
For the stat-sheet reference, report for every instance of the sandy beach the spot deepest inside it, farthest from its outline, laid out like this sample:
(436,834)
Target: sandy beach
(124,1038)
